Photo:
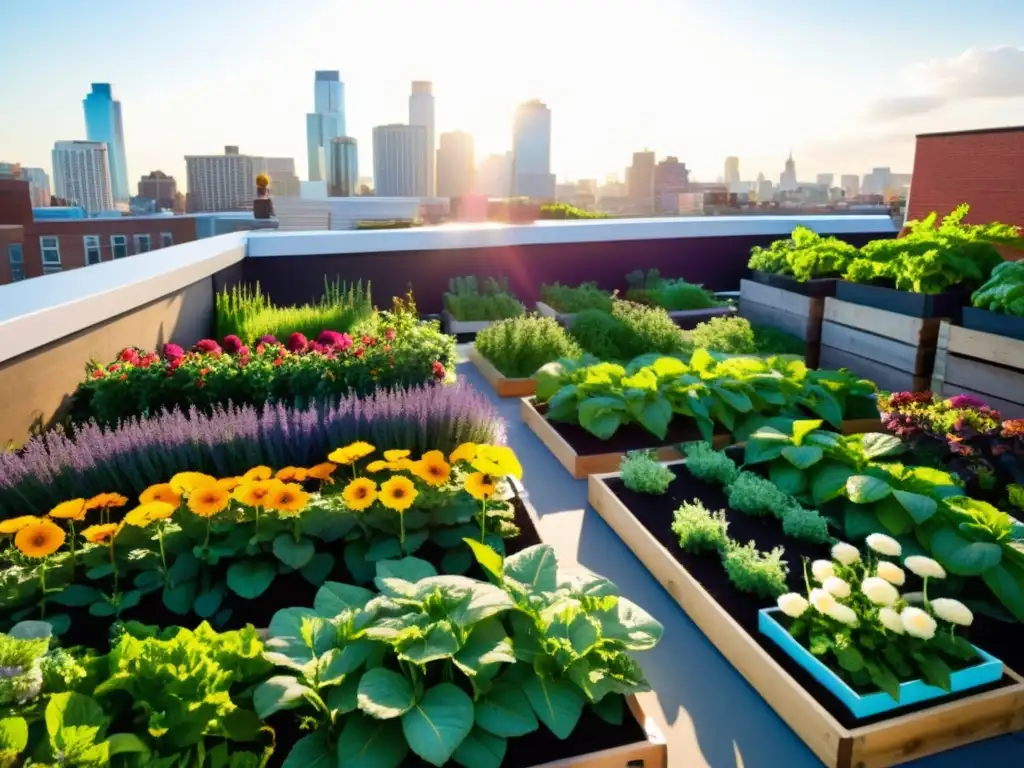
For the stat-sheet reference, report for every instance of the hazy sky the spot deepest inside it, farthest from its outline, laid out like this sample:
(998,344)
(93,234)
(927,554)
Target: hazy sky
(846,85)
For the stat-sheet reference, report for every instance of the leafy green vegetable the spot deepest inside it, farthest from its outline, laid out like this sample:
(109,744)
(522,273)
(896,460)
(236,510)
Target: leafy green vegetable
(805,256)
(467,299)
(519,346)
(568,300)
(1003,292)
(641,472)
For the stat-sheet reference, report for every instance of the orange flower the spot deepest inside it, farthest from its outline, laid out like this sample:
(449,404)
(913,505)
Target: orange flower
(323,472)
(255,494)
(207,502)
(288,497)
(377,466)
(351,453)
(187,482)
(229,483)
(292,474)
(360,494)
(395,455)
(145,514)
(258,473)
(432,469)
(40,539)
(69,510)
(97,534)
(15,524)
(106,501)
(160,492)
(480,486)
(398,493)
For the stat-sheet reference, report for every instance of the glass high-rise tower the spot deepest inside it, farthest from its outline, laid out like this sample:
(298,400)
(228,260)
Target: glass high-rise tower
(325,123)
(103,123)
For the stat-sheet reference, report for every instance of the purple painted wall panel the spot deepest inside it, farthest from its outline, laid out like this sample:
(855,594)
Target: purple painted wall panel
(717,262)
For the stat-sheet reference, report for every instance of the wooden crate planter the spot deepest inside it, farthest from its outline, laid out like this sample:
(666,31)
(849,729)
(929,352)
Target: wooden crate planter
(505,387)
(456,327)
(786,310)
(581,466)
(885,742)
(977,363)
(895,351)
(548,311)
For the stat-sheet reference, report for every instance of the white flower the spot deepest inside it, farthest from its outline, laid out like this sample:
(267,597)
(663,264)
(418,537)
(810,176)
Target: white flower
(822,601)
(879,591)
(889,619)
(925,567)
(793,605)
(918,623)
(952,611)
(836,586)
(891,573)
(884,545)
(847,554)
(821,570)
(843,614)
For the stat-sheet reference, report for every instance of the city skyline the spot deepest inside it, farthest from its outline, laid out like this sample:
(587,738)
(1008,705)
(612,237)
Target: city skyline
(848,114)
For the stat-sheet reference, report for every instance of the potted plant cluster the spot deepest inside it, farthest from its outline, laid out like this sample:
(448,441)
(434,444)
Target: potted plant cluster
(686,303)
(564,302)
(509,352)
(471,305)
(805,263)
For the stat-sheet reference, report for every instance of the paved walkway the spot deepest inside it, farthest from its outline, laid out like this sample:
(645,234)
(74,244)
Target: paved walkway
(707,711)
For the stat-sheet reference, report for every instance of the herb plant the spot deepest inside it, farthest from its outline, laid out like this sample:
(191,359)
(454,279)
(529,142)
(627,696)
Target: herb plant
(738,336)
(467,299)
(643,473)
(805,256)
(630,330)
(699,530)
(568,300)
(709,465)
(673,295)
(755,572)
(1003,292)
(519,346)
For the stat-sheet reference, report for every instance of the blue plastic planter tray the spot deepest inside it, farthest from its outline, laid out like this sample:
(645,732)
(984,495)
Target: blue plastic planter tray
(989,670)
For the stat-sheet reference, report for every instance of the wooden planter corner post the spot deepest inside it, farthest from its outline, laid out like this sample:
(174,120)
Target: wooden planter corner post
(503,386)
(895,351)
(546,310)
(788,311)
(893,741)
(991,367)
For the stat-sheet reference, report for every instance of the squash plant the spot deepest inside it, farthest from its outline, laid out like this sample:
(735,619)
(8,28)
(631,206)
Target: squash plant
(448,667)
(867,491)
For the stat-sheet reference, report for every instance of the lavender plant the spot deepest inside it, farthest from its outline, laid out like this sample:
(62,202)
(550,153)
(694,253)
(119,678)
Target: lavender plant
(132,456)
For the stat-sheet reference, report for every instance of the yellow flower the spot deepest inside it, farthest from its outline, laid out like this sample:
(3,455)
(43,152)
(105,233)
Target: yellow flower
(497,460)
(360,494)
(288,497)
(480,486)
(207,502)
(161,492)
(398,493)
(377,466)
(352,452)
(432,469)
(323,472)
(255,494)
(465,452)
(69,510)
(106,501)
(258,473)
(395,455)
(15,524)
(39,539)
(229,483)
(187,482)
(148,513)
(97,534)
(292,474)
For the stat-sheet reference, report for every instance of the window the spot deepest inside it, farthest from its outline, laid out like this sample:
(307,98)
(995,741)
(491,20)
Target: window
(16,256)
(118,246)
(166,239)
(92,249)
(50,247)
(141,243)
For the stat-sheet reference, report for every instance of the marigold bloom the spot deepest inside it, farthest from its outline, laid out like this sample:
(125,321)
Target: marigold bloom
(360,494)
(258,473)
(480,486)
(160,492)
(432,469)
(498,461)
(396,454)
(254,494)
(465,452)
(207,502)
(106,501)
(229,483)
(322,472)
(39,539)
(97,534)
(288,497)
(148,513)
(292,474)
(69,510)
(398,493)
(351,453)
(15,524)
(377,466)
(188,482)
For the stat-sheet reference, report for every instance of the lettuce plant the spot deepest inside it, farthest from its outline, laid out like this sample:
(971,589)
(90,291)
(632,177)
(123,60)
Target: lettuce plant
(1003,292)
(804,256)
(448,667)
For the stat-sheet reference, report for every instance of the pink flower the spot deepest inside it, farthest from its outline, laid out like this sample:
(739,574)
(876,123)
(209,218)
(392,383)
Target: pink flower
(130,355)
(329,338)
(389,334)
(268,339)
(965,401)
(208,347)
(316,346)
(232,344)
(297,342)
(260,348)
(173,352)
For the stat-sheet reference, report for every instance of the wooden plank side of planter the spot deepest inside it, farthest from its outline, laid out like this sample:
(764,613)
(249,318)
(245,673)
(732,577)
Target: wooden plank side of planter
(805,328)
(915,331)
(1000,350)
(982,364)
(770,296)
(887,743)
(503,386)
(548,311)
(455,327)
(904,357)
(651,753)
(886,377)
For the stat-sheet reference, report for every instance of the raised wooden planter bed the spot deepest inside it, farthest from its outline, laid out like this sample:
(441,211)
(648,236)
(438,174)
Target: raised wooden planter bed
(993,322)
(982,364)
(457,327)
(894,350)
(688,319)
(505,387)
(937,305)
(837,738)
(548,311)
(788,311)
(582,454)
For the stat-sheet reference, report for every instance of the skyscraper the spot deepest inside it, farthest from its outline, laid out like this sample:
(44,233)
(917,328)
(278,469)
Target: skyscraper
(399,169)
(732,170)
(787,179)
(494,176)
(160,188)
(640,181)
(283,181)
(325,122)
(222,182)
(826,179)
(103,123)
(531,151)
(421,112)
(850,182)
(81,174)
(343,176)
(456,164)
(671,178)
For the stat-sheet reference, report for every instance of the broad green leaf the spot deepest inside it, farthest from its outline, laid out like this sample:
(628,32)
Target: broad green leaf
(934,670)
(408,569)
(611,709)
(67,710)
(802,456)
(294,554)
(849,657)
(859,521)
(242,724)
(878,444)
(208,603)
(668,366)
(738,401)
(534,569)
(486,644)
(787,478)
(312,751)
(549,380)
(489,560)
(962,556)
(893,516)
(601,416)
(883,677)
(921,508)
(1006,581)
(505,711)
(358,565)
(389,548)
(278,693)
(13,734)
(828,408)
(803,427)
(366,742)
(829,481)
(385,694)
(439,643)
(344,698)
(557,703)
(481,750)
(457,560)
(184,568)
(865,489)
(251,577)
(318,569)
(438,723)
(759,450)
(76,595)
(334,598)
(482,601)
(178,599)
(291,633)
(123,743)
(630,624)
(338,662)
(655,416)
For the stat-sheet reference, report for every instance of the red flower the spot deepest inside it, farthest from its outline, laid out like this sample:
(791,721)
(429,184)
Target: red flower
(124,376)
(232,344)
(130,355)
(114,367)
(439,371)
(297,342)
(366,340)
(389,334)
(207,346)
(203,371)
(359,352)
(173,365)
(99,373)
(173,352)
(260,348)
(268,338)
(278,361)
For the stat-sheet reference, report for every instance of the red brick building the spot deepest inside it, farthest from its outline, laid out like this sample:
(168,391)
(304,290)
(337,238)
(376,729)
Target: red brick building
(984,168)
(31,248)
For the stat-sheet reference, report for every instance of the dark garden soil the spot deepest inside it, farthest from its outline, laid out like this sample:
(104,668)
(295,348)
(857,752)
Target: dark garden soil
(655,513)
